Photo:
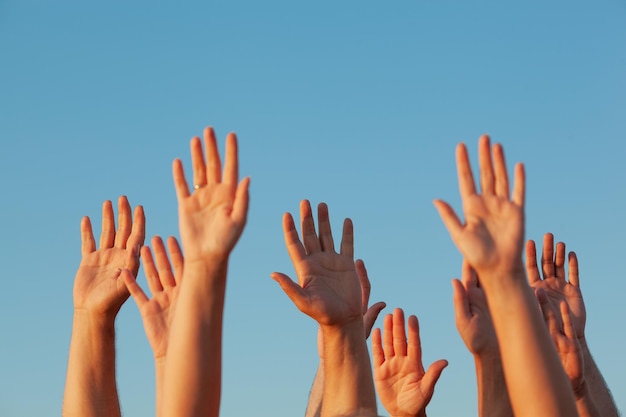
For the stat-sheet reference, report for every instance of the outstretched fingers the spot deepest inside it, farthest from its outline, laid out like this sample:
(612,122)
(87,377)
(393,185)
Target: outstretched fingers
(450,219)
(197,162)
(213,164)
(462,312)
(134,289)
(164,267)
(107,237)
(388,336)
(532,269)
(573,269)
(137,237)
(559,261)
(364,281)
(547,256)
(378,354)
(295,248)
(176,255)
(309,237)
(519,185)
(399,334)
(325,232)
(487,179)
(347,239)
(464,171)
(124,222)
(150,269)
(370,316)
(414,350)
(88,243)
(180,182)
(231,164)
(294,291)
(502,178)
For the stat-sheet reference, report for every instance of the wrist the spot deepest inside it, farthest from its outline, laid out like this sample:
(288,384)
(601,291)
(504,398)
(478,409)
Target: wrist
(94,320)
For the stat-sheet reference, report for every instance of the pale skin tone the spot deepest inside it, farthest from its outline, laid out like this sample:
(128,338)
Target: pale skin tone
(328,290)
(474,324)
(164,278)
(491,240)
(559,278)
(211,220)
(314,406)
(403,386)
(99,293)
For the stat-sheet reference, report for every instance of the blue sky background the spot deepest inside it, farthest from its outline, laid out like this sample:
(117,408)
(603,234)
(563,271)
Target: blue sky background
(358,104)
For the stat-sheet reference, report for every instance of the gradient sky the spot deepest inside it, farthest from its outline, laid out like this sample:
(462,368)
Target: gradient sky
(358,104)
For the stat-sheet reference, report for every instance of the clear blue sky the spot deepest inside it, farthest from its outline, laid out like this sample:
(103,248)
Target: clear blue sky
(356,103)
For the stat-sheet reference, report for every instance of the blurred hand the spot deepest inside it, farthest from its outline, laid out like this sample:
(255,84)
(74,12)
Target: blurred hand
(157,312)
(556,287)
(492,236)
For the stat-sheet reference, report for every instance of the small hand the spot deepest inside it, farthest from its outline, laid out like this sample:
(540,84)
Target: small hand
(213,217)
(157,312)
(491,238)
(564,338)
(98,288)
(472,317)
(328,288)
(403,387)
(553,282)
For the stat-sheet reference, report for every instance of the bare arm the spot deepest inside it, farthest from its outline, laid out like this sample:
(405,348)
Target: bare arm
(474,324)
(211,219)
(328,291)
(90,388)
(561,286)
(157,312)
(370,314)
(491,240)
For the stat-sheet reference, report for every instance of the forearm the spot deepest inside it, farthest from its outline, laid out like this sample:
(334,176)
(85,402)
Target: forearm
(596,385)
(348,385)
(194,359)
(159,368)
(493,398)
(536,381)
(90,388)
(584,403)
(314,406)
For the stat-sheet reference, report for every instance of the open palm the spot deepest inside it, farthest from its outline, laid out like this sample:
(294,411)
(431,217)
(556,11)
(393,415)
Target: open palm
(403,386)
(97,286)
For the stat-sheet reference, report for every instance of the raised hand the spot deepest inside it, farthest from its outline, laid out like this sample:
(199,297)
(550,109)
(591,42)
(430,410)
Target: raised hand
(561,328)
(492,236)
(163,280)
(553,280)
(212,218)
(98,288)
(491,241)
(370,314)
(403,386)
(99,292)
(472,317)
(328,288)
